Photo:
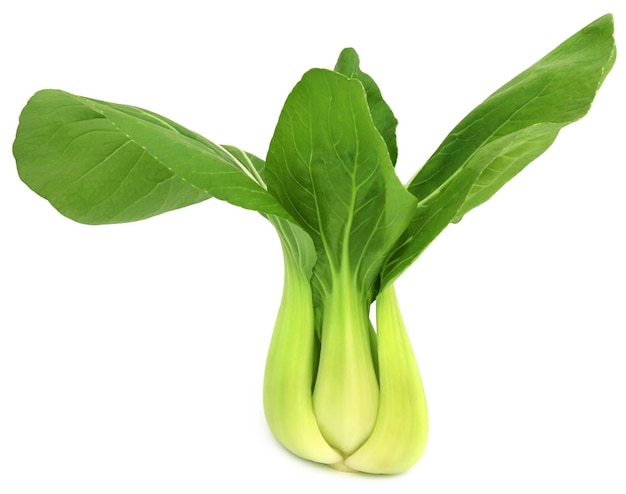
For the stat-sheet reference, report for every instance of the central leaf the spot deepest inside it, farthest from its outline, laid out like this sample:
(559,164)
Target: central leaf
(330,168)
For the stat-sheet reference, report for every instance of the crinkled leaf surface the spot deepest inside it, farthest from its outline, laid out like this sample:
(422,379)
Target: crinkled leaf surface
(330,168)
(502,135)
(99,162)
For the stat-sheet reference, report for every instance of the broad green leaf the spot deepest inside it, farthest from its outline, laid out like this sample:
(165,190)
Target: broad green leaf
(384,119)
(330,168)
(99,162)
(502,135)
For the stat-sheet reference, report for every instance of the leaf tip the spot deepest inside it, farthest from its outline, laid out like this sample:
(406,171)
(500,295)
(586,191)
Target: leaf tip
(348,62)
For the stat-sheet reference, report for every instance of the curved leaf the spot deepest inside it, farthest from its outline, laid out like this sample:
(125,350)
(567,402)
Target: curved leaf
(502,135)
(99,162)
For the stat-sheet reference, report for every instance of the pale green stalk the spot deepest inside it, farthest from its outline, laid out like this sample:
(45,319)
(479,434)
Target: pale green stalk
(399,436)
(290,367)
(345,398)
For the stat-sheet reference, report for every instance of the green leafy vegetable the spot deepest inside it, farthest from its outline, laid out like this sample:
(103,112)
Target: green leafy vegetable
(338,389)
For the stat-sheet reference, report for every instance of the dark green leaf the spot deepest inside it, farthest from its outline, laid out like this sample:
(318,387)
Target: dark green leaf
(330,167)
(502,135)
(100,162)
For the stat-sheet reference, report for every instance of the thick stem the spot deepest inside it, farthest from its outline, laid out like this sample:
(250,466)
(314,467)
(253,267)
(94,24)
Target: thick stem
(289,371)
(345,398)
(401,430)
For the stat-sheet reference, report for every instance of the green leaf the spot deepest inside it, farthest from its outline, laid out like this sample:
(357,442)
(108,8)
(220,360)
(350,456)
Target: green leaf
(384,119)
(330,167)
(502,135)
(507,156)
(99,162)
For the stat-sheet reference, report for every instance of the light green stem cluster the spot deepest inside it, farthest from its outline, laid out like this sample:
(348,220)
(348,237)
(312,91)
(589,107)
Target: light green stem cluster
(330,406)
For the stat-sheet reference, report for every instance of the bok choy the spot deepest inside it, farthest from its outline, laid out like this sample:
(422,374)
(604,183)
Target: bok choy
(339,388)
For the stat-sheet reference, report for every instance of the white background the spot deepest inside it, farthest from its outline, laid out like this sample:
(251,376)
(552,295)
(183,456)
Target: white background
(131,356)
